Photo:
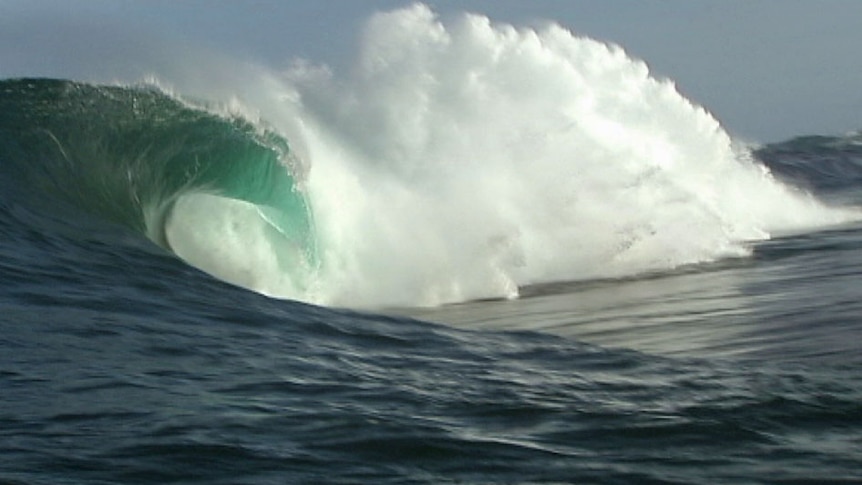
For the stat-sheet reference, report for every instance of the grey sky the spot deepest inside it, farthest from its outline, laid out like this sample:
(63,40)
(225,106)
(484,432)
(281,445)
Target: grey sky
(768,69)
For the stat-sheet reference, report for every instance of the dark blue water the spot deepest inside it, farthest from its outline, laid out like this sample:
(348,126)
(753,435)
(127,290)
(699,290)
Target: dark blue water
(119,363)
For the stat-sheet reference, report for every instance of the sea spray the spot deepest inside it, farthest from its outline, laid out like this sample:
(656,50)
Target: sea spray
(465,159)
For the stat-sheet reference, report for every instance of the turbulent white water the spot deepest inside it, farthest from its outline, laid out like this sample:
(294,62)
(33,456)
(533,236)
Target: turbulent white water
(465,159)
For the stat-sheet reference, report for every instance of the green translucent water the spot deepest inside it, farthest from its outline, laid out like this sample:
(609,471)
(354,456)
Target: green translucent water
(129,153)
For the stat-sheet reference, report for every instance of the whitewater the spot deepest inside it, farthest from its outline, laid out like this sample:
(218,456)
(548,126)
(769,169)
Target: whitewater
(465,160)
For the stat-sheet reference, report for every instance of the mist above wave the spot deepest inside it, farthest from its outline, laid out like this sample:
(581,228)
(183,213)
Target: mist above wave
(465,159)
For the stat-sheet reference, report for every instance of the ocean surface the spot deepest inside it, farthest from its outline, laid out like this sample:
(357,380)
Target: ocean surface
(494,256)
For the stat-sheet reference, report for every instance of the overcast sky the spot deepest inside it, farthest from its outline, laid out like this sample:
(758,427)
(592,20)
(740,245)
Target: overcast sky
(767,69)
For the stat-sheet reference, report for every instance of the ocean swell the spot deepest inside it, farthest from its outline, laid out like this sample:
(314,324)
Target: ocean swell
(457,160)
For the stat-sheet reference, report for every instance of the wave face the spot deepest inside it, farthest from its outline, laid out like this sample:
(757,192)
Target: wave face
(456,161)
(207,187)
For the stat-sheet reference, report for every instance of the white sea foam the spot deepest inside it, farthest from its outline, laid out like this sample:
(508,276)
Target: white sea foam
(462,160)
(465,159)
